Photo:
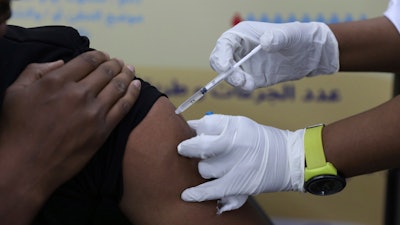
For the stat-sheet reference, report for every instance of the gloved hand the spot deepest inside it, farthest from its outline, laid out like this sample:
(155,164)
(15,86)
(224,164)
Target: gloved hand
(290,51)
(245,157)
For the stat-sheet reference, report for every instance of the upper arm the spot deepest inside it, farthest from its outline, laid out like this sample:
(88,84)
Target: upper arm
(368,45)
(155,175)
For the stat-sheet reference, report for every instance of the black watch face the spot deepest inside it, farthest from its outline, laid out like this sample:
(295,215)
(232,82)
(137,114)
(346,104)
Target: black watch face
(325,184)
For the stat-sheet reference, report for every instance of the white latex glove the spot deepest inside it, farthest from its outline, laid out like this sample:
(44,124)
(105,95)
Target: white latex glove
(246,158)
(290,51)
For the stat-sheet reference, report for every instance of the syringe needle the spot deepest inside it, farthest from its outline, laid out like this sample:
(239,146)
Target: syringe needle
(190,101)
(213,83)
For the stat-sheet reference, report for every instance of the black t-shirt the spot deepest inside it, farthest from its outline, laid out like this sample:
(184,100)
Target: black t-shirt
(92,196)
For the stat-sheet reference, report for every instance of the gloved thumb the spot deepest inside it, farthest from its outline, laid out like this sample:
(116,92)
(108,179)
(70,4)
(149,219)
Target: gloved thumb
(221,58)
(210,190)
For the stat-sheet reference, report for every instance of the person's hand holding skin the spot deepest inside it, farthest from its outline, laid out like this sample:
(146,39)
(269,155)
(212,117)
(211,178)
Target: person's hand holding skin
(53,119)
(244,157)
(290,51)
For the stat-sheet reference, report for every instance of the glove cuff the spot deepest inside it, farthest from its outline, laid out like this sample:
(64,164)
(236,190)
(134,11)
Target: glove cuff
(329,50)
(296,159)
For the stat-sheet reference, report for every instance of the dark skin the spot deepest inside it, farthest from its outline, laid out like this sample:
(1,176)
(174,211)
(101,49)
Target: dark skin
(70,111)
(369,140)
(155,175)
(5,14)
(368,45)
(76,106)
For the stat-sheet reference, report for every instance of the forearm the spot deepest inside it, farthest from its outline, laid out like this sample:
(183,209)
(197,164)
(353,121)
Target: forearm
(368,45)
(366,142)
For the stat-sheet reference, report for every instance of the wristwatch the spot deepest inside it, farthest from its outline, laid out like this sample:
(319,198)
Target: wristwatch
(320,176)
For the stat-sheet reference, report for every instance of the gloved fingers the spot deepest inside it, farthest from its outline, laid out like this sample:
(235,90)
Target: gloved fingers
(216,167)
(221,58)
(231,203)
(236,79)
(193,124)
(211,190)
(202,146)
(242,80)
(228,185)
(213,137)
(249,83)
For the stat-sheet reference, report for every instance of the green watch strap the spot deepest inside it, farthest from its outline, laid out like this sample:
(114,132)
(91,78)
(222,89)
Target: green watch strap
(314,154)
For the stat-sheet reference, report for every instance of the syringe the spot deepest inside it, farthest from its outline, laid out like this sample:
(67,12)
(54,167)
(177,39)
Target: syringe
(200,93)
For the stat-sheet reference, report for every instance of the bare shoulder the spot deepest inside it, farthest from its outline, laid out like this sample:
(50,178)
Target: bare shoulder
(155,175)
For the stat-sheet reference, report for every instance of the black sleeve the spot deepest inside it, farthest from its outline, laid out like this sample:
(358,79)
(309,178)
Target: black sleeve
(92,196)
(21,46)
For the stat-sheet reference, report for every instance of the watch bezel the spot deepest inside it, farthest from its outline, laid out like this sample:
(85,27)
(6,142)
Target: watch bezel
(325,184)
